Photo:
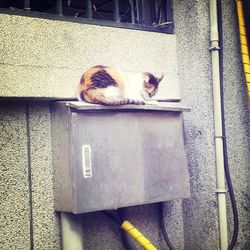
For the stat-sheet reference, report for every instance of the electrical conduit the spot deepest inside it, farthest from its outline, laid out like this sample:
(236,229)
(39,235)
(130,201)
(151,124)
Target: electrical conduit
(221,189)
(244,44)
(140,238)
(130,229)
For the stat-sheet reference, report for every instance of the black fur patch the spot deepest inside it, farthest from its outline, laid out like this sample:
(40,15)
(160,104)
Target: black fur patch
(82,95)
(100,66)
(102,79)
(152,79)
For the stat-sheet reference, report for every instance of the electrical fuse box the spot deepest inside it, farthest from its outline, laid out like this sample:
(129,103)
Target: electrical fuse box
(110,157)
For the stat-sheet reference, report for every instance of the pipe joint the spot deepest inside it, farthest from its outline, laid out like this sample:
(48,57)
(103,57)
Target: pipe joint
(219,137)
(220,190)
(213,48)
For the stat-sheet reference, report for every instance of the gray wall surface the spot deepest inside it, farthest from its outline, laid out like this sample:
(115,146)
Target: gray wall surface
(46,58)
(200,212)
(27,217)
(14,183)
(237,122)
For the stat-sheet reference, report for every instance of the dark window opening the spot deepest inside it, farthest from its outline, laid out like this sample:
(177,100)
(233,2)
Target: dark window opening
(135,14)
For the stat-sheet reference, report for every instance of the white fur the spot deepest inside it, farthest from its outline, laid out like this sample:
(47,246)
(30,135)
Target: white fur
(112,92)
(134,86)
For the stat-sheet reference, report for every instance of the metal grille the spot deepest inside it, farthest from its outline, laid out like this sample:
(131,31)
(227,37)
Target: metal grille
(134,14)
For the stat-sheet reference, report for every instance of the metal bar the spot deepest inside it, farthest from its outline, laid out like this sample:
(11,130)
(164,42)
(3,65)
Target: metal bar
(59,10)
(116,11)
(26,4)
(137,10)
(101,5)
(153,15)
(142,8)
(132,11)
(158,11)
(89,9)
(48,16)
(169,16)
(127,25)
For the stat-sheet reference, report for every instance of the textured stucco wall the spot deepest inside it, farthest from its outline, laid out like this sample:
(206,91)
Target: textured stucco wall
(237,122)
(27,215)
(46,58)
(25,133)
(45,222)
(200,212)
(14,185)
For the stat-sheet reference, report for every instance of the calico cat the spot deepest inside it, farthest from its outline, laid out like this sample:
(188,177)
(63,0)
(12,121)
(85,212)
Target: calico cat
(111,86)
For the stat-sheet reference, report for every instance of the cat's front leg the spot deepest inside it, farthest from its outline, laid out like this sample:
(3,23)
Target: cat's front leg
(145,95)
(151,102)
(147,98)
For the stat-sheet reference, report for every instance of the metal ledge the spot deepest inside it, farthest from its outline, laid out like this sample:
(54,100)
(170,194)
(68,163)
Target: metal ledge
(160,106)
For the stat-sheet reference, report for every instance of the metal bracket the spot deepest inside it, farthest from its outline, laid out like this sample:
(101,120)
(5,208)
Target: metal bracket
(214,48)
(220,190)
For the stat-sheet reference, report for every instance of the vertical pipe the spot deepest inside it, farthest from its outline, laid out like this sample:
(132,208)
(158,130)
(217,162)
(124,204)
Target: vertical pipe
(59,7)
(116,11)
(72,233)
(89,9)
(26,5)
(221,189)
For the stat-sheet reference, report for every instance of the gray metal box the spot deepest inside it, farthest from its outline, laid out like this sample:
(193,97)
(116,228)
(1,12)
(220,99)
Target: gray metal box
(111,157)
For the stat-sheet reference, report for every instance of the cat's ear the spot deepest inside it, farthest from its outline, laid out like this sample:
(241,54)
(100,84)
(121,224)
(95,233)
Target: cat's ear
(146,78)
(159,77)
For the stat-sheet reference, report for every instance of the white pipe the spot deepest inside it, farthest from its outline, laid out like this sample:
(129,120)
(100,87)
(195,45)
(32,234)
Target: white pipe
(221,188)
(72,233)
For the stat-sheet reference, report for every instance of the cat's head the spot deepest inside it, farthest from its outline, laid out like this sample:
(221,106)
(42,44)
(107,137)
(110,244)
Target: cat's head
(151,83)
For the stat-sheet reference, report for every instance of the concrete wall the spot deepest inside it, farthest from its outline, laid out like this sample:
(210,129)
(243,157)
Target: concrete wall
(46,58)
(14,187)
(26,187)
(200,212)
(26,190)
(237,122)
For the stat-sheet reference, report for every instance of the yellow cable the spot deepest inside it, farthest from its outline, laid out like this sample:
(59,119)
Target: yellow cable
(244,44)
(141,239)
